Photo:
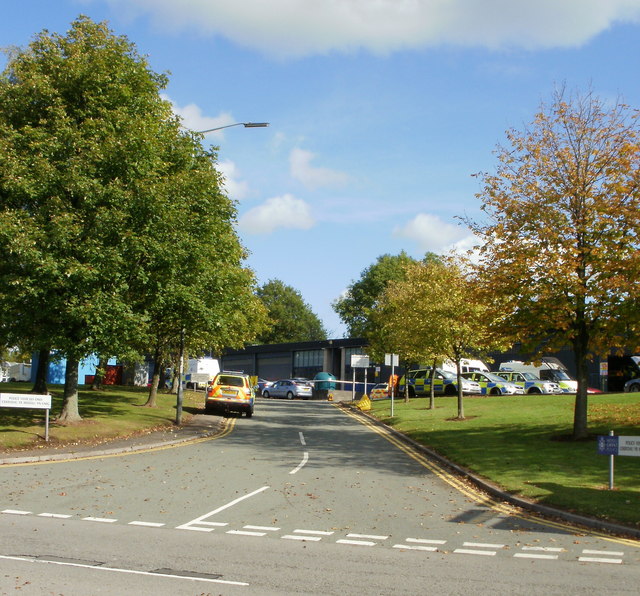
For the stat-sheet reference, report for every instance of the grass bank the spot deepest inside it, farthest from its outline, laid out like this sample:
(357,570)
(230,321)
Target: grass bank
(523,444)
(106,414)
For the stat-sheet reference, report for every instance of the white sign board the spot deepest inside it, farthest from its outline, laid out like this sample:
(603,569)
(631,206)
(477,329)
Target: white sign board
(629,446)
(25,400)
(391,360)
(359,361)
(198,377)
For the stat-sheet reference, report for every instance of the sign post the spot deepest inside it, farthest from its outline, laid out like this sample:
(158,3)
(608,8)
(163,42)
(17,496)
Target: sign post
(617,445)
(28,400)
(392,360)
(359,361)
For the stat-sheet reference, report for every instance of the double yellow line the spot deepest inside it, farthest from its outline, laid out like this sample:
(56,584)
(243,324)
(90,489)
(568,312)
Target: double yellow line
(473,492)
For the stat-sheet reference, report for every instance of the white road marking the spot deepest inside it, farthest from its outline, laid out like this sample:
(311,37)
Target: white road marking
(356,542)
(301,537)
(102,520)
(302,438)
(246,533)
(482,545)
(369,536)
(130,571)
(599,560)
(262,528)
(465,551)
(416,547)
(16,512)
(56,515)
(146,524)
(425,541)
(548,549)
(305,459)
(318,532)
(603,552)
(534,556)
(200,520)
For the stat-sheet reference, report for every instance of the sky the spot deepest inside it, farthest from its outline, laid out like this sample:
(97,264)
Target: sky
(380,112)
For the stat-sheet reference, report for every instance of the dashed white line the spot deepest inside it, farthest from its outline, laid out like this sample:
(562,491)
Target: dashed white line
(312,535)
(146,524)
(535,556)
(467,551)
(611,553)
(605,558)
(102,520)
(16,512)
(302,441)
(305,459)
(425,541)
(356,542)
(262,528)
(482,545)
(430,549)
(55,515)
(246,533)
(599,560)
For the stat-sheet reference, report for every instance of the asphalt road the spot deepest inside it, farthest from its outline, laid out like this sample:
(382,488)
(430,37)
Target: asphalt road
(300,499)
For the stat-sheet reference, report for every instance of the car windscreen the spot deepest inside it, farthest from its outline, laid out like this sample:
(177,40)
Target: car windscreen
(233,381)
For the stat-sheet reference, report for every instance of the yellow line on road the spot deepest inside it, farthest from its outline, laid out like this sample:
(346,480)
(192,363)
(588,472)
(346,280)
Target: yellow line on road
(475,493)
(228,428)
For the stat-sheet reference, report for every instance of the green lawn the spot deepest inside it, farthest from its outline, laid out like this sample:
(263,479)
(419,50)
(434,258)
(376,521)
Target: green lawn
(522,444)
(112,412)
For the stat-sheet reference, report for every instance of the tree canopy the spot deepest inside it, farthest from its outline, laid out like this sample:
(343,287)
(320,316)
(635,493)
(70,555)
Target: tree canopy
(291,318)
(114,229)
(560,242)
(354,307)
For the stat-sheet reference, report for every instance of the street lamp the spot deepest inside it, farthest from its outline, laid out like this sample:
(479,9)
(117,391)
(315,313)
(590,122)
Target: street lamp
(182,331)
(245,124)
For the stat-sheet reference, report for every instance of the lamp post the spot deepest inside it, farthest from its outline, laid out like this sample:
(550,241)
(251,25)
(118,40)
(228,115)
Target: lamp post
(182,331)
(245,124)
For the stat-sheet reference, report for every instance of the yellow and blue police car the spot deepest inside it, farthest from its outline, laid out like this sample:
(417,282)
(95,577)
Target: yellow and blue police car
(530,383)
(492,384)
(418,382)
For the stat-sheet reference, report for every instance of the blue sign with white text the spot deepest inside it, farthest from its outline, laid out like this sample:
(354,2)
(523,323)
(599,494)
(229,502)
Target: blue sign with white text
(607,445)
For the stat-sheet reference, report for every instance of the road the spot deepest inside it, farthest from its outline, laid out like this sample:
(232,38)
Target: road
(300,499)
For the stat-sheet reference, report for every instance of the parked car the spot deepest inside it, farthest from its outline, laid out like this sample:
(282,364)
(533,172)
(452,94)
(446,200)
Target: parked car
(418,382)
(379,391)
(492,384)
(261,385)
(530,383)
(632,386)
(230,391)
(289,388)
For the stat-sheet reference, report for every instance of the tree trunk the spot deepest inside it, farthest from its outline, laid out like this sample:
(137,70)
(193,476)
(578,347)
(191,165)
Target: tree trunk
(155,380)
(70,411)
(580,426)
(432,390)
(98,377)
(40,384)
(460,394)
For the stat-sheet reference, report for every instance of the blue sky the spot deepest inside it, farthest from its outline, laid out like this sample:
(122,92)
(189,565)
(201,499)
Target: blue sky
(380,111)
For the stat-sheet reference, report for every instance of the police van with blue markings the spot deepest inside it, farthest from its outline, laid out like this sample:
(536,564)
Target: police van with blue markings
(492,384)
(530,383)
(418,382)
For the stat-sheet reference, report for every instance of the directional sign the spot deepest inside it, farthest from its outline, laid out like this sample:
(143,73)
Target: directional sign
(607,445)
(24,400)
(359,361)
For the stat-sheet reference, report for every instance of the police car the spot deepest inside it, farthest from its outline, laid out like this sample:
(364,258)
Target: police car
(530,383)
(492,384)
(418,382)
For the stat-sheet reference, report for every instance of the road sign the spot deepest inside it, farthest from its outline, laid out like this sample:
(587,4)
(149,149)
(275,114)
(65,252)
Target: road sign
(24,400)
(359,361)
(607,445)
(392,359)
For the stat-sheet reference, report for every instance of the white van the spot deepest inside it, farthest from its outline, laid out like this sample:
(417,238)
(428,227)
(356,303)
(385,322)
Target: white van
(200,371)
(549,369)
(466,365)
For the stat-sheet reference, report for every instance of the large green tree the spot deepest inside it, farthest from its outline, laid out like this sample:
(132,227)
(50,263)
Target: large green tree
(354,307)
(560,252)
(112,221)
(436,313)
(291,317)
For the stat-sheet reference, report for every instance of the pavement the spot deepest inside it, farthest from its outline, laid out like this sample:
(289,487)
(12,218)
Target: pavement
(198,426)
(201,426)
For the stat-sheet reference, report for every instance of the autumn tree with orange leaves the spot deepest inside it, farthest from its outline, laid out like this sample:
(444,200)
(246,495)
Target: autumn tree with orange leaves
(560,241)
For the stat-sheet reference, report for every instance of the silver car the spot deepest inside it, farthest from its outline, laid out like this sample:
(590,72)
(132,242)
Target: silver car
(289,388)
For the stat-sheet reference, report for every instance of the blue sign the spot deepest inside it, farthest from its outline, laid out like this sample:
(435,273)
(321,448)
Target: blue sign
(607,445)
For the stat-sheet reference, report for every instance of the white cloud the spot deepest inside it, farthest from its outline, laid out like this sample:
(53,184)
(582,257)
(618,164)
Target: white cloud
(193,118)
(302,27)
(236,189)
(310,176)
(432,234)
(278,212)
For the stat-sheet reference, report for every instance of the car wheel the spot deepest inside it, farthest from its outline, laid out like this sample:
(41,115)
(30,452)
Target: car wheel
(496,391)
(249,413)
(265,394)
(412,392)
(450,390)
(289,395)
(534,390)
(634,387)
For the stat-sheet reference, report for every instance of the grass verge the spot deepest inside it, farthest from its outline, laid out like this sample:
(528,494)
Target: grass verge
(106,414)
(522,444)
